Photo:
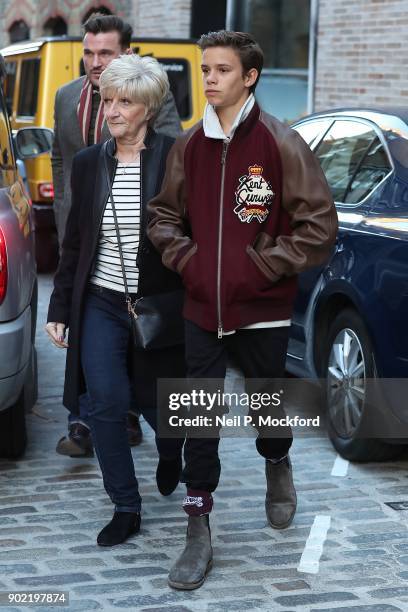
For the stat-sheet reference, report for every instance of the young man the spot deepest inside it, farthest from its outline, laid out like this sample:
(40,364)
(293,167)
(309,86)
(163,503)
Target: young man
(243,209)
(79,123)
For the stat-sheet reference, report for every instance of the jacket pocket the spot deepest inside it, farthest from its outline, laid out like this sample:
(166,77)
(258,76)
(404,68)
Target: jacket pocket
(260,266)
(250,283)
(186,258)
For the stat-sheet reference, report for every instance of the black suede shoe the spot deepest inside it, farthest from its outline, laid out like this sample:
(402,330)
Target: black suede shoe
(168,474)
(134,431)
(78,442)
(121,527)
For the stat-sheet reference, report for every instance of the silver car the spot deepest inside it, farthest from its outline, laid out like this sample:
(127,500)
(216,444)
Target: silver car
(18,287)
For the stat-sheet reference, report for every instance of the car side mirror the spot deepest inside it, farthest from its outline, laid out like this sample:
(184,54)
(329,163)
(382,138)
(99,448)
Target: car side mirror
(32,142)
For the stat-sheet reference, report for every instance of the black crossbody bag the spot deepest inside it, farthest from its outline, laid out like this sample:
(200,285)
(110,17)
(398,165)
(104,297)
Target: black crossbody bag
(156,320)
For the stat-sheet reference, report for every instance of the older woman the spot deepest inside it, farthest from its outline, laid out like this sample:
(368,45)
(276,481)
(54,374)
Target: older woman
(89,289)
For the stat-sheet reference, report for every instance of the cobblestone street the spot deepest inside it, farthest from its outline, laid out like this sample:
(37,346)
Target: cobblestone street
(52,507)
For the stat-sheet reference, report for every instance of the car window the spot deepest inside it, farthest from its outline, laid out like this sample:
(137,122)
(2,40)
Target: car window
(6,156)
(373,169)
(352,158)
(27,99)
(178,71)
(312,131)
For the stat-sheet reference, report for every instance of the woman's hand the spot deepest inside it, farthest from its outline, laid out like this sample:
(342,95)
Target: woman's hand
(56,331)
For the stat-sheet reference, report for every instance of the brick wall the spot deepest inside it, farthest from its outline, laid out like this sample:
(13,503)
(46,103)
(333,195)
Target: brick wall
(164,18)
(362,56)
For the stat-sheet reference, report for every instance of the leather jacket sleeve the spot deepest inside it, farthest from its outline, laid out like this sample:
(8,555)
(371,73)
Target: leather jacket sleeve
(307,199)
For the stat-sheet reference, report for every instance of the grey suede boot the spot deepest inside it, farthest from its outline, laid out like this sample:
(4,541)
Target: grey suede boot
(280,500)
(192,566)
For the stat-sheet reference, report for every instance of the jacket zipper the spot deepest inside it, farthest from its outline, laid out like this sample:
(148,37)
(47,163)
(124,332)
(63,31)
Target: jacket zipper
(223,157)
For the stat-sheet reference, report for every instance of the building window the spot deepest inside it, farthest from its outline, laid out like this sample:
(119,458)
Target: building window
(55,26)
(281,27)
(18,31)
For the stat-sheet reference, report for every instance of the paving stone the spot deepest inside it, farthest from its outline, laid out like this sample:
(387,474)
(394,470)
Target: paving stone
(311,598)
(293,585)
(30,499)
(245,537)
(168,609)
(378,538)
(50,518)
(108,587)
(7,520)
(77,562)
(277,560)
(55,579)
(134,572)
(400,591)
(85,550)
(135,602)
(17,510)
(141,557)
(28,554)
(17,568)
(11,543)
(363,608)
(60,538)
(234,604)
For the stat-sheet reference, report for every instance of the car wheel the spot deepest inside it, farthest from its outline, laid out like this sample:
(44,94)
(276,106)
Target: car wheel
(13,435)
(348,364)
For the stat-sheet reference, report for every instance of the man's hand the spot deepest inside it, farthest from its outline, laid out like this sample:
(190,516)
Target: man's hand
(56,331)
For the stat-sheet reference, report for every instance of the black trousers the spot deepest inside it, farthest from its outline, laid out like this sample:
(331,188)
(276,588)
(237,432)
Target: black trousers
(260,354)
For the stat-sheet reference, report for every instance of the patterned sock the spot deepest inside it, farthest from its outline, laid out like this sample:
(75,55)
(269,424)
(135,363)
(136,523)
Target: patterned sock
(197,503)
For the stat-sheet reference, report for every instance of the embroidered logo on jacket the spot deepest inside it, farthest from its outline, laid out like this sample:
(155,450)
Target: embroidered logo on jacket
(253,196)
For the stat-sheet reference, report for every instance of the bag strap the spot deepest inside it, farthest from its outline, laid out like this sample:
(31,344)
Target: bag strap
(131,307)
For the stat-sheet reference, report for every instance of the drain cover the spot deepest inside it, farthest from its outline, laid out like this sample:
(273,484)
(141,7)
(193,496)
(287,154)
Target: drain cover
(400,505)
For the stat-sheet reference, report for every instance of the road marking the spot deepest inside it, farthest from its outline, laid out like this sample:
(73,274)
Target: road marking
(309,561)
(340,467)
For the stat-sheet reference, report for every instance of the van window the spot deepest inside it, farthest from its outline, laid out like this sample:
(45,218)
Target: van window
(178,71)
(6,155)
(10,84)
(27,99)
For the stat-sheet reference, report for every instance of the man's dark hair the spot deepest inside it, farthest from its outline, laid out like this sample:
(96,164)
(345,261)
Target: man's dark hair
(98,22)
(246,47)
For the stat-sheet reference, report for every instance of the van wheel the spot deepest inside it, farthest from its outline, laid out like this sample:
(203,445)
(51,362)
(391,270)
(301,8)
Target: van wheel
(13,435)
(348,362)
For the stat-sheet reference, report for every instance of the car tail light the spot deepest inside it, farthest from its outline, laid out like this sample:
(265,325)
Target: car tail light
(3,267)
(46,190)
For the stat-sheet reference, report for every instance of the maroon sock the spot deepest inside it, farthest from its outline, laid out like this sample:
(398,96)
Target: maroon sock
(197,503)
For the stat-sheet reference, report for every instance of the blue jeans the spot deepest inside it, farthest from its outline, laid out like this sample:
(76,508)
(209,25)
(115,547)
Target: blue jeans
(105,339)
(82,417)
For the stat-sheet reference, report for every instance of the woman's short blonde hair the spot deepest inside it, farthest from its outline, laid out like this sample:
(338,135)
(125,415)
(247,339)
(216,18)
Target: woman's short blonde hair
(141,79)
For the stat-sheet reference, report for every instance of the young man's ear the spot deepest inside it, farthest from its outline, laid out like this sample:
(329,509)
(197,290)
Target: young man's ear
(250,77)
(128,51)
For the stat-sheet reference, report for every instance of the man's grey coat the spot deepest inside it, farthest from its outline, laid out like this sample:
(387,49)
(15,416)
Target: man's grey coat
(68,141)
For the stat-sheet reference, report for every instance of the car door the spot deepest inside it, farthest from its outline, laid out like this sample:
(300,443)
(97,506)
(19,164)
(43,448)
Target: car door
(353,158)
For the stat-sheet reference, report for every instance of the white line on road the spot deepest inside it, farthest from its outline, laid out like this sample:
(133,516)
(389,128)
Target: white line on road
(309,561)
(340,467)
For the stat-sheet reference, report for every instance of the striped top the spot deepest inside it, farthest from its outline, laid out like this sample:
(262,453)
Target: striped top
(126,193)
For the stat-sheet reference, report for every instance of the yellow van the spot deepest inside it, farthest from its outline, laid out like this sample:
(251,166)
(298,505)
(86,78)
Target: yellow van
(36,69)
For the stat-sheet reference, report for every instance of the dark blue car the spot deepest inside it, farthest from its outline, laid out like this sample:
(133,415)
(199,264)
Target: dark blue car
(350,321)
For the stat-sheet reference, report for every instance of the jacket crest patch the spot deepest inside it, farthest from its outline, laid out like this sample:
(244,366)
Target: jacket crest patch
(253,196)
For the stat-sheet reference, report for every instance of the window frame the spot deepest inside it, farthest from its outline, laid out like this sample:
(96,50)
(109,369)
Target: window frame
(21,90)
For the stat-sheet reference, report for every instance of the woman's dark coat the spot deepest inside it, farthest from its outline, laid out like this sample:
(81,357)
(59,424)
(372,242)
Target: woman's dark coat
(79,248)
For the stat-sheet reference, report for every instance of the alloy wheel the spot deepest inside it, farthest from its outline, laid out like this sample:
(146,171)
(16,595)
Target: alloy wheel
(346,383)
